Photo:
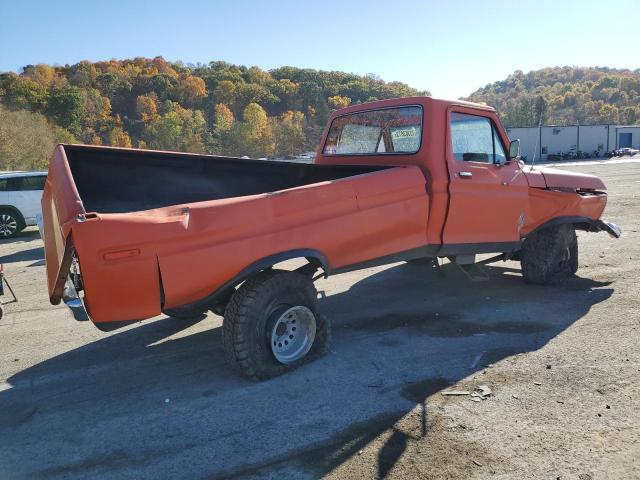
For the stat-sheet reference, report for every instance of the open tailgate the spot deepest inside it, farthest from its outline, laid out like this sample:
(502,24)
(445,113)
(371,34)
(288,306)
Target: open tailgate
(61,206)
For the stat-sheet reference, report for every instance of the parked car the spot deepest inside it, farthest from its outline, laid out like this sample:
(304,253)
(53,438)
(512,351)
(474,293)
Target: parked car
(626,151)
(133,233)
(20,194)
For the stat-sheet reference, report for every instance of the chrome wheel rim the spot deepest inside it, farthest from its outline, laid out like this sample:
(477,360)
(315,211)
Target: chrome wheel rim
(8,225)
(292,334)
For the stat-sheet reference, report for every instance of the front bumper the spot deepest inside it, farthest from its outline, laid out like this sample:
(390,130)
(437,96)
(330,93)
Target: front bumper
(612,229)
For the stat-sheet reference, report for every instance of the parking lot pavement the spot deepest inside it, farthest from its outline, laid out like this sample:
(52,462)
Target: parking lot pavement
(156,399)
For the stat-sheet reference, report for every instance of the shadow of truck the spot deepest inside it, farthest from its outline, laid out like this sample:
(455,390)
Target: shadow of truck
(140,404)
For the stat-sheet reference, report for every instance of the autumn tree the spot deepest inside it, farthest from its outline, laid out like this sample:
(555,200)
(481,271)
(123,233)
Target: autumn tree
(82,74)
(147,107)
(258,76)
(191,90)
(179,129)
(96,110)
(22,92)
(290,133)
(119,138)
(248,93)
(338,101)
(220,139)
(27,139)
(288,93)
(223,118)
(41,74)
(225,92)
(608,114)
(254,136)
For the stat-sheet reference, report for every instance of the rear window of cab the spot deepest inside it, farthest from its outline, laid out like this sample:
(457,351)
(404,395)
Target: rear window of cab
(396,130)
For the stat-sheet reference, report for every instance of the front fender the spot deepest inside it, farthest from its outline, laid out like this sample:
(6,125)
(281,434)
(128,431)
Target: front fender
(583,223)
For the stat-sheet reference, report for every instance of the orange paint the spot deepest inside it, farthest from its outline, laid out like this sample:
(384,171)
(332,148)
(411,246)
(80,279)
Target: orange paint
(133,262)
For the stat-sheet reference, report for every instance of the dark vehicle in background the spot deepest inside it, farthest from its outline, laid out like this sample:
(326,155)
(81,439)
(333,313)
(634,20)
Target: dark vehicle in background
(623,152)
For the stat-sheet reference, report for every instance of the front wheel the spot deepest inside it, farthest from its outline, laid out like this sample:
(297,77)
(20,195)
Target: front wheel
(550,255)
(271,325)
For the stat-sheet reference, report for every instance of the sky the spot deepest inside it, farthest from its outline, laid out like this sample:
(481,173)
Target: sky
(450,48)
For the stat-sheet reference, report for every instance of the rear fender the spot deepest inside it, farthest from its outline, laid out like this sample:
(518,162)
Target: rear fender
(222,295)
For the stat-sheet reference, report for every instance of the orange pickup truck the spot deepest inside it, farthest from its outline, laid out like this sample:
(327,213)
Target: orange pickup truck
(130,234)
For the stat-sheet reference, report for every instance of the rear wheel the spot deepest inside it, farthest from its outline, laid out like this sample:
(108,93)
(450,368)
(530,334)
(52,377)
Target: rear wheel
(271,325)
(550,255)
(10,223)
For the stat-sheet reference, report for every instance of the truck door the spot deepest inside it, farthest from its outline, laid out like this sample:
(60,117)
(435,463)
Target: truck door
(487,196)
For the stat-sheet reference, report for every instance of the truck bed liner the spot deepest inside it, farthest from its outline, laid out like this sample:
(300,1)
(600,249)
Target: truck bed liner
(120,181)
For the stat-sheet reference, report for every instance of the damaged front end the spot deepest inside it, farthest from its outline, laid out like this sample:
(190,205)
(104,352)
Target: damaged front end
(558,196)
(611,228)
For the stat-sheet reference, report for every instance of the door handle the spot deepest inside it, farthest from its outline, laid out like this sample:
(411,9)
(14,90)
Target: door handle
(465,174)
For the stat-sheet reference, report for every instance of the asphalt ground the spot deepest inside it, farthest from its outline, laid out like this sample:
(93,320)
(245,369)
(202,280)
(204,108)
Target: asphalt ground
(156,399)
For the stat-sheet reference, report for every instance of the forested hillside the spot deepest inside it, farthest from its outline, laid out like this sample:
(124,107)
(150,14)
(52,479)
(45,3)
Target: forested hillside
(151,103)
(565,95)
(229,109)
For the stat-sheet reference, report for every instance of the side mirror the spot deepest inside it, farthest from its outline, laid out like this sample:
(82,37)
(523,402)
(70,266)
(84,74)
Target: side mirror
(514,149)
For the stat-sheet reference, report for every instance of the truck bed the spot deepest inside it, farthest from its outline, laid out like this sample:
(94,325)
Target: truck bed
(113,211)
(120,181)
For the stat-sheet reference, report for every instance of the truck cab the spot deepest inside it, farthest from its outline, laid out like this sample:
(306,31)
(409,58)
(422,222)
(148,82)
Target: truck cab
(482,198)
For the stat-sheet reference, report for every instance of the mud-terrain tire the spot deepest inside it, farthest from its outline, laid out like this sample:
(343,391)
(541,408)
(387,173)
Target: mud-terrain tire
(550,255)
(251,316)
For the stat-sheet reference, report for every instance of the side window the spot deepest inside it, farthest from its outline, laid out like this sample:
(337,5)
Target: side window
(3,185)
(499,155)
(474,139)
(33,183)
(14,183)
(374,132)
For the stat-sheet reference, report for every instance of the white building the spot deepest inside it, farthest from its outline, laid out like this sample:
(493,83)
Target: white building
(539,142)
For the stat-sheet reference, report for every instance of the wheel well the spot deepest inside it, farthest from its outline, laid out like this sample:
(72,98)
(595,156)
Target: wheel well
(221,296)
(14,211)
(579,223)
(313,257)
